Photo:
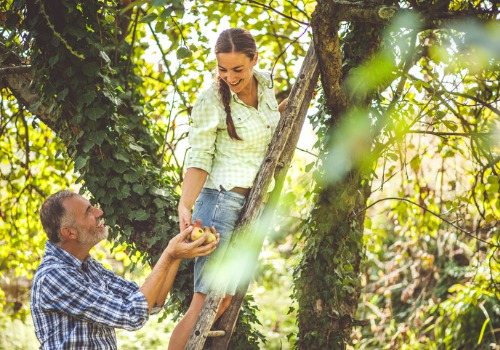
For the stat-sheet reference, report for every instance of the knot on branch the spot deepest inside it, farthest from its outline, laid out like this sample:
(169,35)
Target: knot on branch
(386,12)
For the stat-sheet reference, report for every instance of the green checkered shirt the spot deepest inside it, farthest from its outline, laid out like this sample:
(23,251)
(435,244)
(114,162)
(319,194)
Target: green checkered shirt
(232,163)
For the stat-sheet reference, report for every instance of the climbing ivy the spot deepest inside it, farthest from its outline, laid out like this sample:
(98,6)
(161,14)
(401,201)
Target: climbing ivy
(86,76)
(89,69)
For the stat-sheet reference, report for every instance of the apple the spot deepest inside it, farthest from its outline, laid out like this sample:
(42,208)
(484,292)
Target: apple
(211,237)
(197,231)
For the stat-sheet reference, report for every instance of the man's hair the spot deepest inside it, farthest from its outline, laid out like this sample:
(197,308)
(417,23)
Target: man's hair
(52,213)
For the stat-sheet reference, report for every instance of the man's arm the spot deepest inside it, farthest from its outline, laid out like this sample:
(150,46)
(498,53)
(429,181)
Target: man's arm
(161,278)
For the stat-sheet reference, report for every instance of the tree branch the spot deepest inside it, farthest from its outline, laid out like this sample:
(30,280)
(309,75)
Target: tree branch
(437,133)
(258,4)
(22,69)
(470,234)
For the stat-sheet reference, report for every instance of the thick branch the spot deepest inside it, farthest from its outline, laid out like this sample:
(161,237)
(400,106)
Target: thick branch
(22,69)
(18,81)
(325,25)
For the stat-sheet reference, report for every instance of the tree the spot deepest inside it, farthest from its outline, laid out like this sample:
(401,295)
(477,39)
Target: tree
(370,111)
(390,73)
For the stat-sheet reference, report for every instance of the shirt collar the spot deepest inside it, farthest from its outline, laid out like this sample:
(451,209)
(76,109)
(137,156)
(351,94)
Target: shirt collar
(57,252)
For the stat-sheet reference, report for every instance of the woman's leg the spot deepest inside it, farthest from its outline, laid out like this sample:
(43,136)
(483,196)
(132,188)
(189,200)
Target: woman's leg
(224,305)
(183,330)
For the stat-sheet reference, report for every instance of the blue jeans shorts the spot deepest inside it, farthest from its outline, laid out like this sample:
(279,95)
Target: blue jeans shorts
(220,209)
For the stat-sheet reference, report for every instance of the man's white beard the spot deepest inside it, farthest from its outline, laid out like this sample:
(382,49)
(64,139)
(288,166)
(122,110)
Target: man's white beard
(93,236)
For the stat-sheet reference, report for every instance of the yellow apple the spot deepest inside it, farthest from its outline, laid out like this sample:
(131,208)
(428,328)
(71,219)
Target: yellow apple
(196,233)
(211,237)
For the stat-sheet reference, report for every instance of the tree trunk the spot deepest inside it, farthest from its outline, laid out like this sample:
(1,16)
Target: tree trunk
(328,279)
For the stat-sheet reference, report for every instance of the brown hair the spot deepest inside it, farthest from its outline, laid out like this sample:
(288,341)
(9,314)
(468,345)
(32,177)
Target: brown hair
(233,40)
(52,214)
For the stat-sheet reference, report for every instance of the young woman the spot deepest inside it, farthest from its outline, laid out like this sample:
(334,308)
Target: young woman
(232,125)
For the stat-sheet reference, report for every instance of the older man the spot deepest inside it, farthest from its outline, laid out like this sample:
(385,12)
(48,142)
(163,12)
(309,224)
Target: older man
(76,303)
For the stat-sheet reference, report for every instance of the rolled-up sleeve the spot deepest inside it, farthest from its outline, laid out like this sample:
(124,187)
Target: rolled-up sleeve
(205,120)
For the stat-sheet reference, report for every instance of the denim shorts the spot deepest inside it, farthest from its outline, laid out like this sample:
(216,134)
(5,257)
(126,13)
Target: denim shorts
(220,209)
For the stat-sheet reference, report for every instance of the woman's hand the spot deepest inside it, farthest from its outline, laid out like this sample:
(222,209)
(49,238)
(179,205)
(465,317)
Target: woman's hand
(184,217)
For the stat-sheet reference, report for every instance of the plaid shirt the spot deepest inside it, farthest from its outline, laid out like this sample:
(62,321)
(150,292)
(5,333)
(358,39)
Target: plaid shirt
(231,163)
(77,305)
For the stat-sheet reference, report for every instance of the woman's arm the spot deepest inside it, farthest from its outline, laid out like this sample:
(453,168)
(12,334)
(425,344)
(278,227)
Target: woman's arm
(191,188)
(282,105)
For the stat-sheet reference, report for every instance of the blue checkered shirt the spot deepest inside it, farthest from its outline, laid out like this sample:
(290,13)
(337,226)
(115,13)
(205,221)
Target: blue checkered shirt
(77,305)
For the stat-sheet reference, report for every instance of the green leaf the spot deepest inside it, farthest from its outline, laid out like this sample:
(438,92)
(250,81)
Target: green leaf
(137,148)
(148,18)
(166,13)
(80,162)
(122,156)
(95,113)
(87,146)
(159,192)
(97,136)
(159,26)
(139,215)
(86,98)
(62,95)
(114,182)
(139,188)
(159,3)
(90,69)
(392,156)
(131,177)
(450,125)
(309,167)
(491,179)
(121,167)
(183,52)
(34,107)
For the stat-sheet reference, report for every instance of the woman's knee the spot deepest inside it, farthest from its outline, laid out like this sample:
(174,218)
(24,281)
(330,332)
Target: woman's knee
(197,302)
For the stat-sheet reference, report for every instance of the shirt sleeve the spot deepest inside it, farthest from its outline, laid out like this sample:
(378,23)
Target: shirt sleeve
(67,291)
(117,284)
(123,287)
(205,119)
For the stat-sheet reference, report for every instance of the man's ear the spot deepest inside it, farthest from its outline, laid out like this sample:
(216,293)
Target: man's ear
(68,233)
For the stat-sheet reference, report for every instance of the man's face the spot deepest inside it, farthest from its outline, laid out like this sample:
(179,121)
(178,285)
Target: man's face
(86,220)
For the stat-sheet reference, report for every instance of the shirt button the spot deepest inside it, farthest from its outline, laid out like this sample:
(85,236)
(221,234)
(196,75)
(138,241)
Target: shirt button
(268,126)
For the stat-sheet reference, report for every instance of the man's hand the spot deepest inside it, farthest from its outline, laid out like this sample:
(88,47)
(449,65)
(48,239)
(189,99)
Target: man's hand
(180,247)
(159,282)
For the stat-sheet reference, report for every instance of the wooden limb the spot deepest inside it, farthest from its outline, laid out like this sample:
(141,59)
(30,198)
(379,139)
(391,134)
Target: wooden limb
(205,320)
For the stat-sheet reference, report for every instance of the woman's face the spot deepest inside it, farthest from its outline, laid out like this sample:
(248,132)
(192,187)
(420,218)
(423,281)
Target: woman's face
(236,69)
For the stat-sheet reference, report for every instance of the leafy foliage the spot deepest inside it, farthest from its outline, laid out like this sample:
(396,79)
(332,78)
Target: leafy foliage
(424,107)
(31,167)
(121,118)
(431,127)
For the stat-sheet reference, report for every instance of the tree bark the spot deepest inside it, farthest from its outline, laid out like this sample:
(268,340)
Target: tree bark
(328,278)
